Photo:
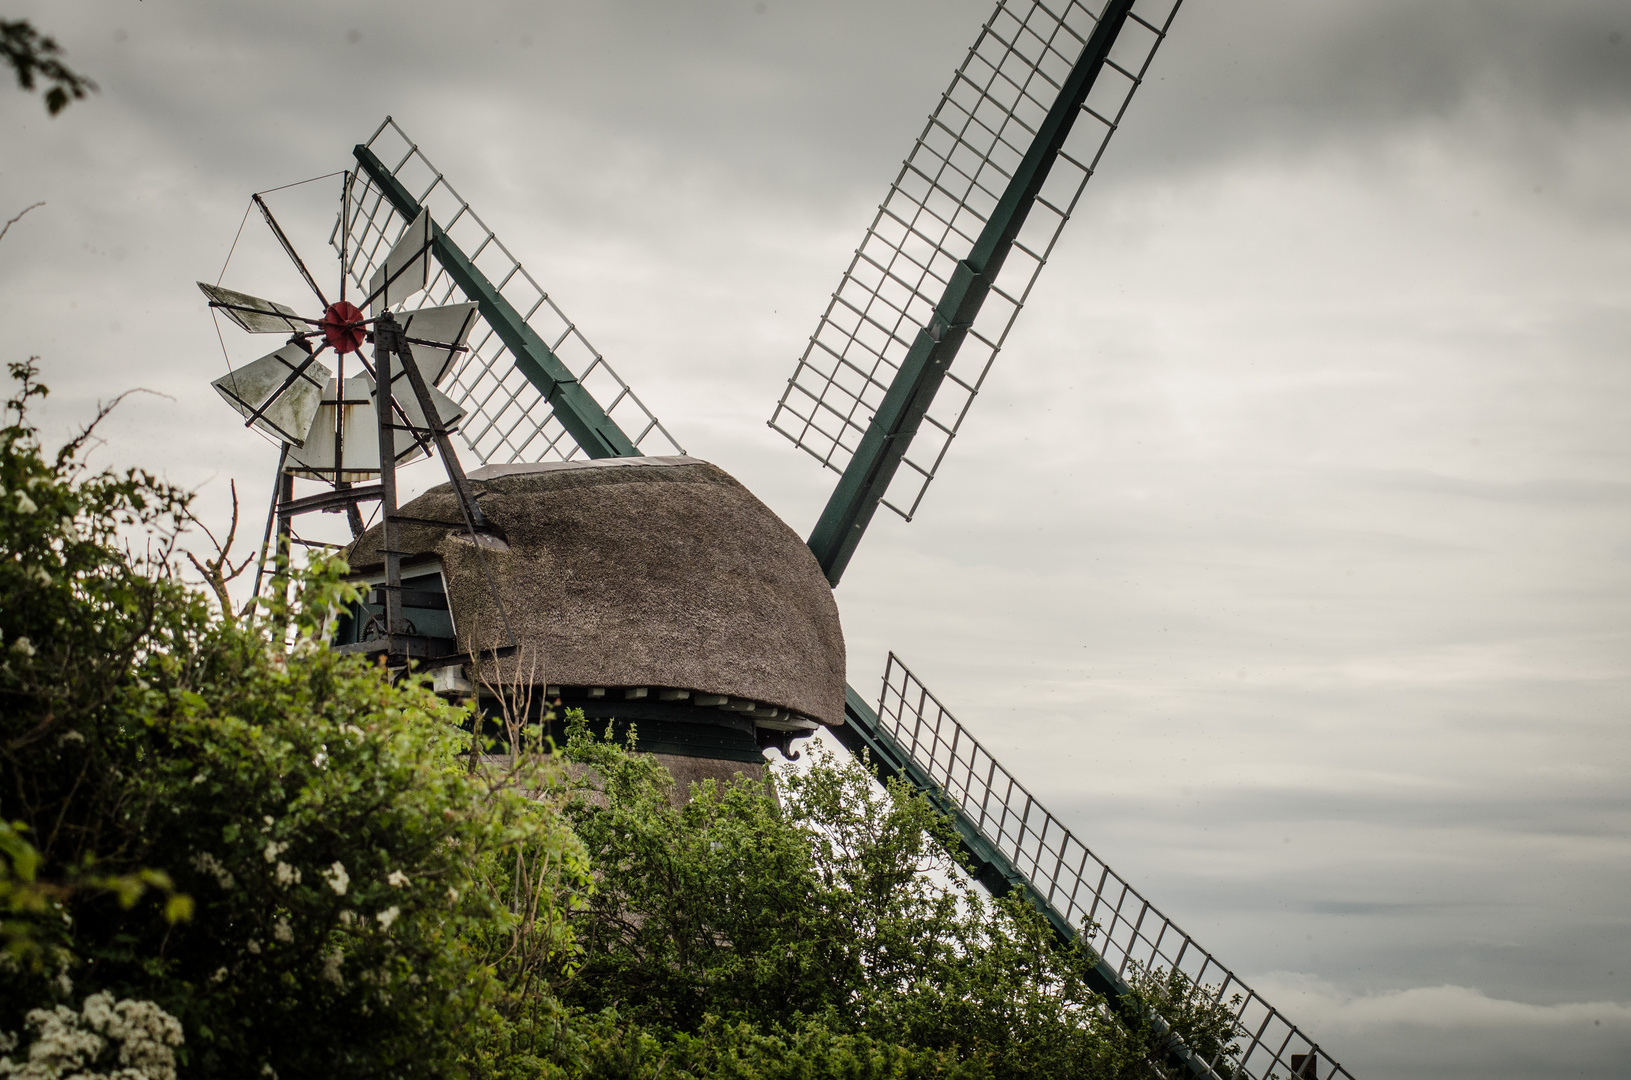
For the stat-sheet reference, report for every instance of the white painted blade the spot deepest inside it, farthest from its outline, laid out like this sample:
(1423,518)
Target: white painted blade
(252,313)
(446,409)
(406,270)
(287,403)
(359,442)
(450,324)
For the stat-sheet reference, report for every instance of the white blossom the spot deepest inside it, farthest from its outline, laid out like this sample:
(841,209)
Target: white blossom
(220,976)
(397,879)
(287,875)
(66,1042)
(337,878)
(25,504)
(61,1044)
(331,967)
(282,932)
(205,863)
(24,646)
(254,947)
(274,849)
(388,916)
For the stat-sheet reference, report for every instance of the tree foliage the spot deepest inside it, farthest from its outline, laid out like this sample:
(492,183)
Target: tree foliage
(227,850)
(730,930)
(275,844)
(33,56)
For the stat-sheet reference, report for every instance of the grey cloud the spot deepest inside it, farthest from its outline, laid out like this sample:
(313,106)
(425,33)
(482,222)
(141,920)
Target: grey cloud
(1238,78)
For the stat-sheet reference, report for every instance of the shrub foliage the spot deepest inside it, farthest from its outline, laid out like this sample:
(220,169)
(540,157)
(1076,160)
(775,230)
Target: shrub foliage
(284,862)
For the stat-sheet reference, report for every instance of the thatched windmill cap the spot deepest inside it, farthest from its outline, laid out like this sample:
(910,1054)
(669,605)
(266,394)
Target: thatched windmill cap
(636,572)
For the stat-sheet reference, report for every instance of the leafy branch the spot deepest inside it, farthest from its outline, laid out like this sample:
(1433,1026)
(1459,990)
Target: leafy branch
(33,56)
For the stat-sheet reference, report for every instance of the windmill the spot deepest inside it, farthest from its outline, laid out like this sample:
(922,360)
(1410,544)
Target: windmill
(677,631)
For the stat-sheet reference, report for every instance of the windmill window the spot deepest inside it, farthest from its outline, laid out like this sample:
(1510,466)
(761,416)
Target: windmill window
(424,607)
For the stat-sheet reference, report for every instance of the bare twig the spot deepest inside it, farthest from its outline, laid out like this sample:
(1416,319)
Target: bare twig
(72,447)
(4,228)
(515,696)
(219,571)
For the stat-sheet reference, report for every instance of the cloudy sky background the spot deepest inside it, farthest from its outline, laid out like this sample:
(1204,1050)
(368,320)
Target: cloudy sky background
(1287,553)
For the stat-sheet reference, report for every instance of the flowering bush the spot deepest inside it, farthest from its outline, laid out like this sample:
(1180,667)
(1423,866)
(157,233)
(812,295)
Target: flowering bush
(227,851)
(286,851)
(133,1040)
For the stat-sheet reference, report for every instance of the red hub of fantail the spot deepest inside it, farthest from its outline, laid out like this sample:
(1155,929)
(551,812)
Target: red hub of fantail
(342,326)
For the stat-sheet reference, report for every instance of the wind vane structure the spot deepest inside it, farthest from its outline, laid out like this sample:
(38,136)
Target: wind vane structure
(343,430)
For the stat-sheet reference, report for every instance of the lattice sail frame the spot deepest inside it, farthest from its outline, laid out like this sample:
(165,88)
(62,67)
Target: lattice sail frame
(935,209)
(507,419)
(1120,925)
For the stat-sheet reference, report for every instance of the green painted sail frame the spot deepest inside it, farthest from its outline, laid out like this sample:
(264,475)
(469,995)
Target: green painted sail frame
(582,416)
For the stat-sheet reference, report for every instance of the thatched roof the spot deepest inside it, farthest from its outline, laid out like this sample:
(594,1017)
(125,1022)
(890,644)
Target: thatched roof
(637,572)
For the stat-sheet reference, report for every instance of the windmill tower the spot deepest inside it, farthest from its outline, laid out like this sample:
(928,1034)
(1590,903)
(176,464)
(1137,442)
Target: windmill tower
(653,587)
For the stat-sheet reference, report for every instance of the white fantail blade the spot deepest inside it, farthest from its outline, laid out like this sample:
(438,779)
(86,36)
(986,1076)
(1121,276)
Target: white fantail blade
(254,314)
(450,324)
(282,398)
(358,427)
(447,411)
(406,270)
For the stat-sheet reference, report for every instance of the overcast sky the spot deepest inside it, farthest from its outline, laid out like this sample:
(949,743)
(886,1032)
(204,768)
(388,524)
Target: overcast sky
(1286,554)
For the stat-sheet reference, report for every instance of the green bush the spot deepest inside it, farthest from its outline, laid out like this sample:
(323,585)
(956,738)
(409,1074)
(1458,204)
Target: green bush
(274,844)
(242,854)
(734,935)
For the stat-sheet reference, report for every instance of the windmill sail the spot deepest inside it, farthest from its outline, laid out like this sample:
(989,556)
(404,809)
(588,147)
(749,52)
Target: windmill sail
(254,314)
(1012,839)
(514,411)
(448,326)
(980,200)
(406,269)
(350,415)
(280,393)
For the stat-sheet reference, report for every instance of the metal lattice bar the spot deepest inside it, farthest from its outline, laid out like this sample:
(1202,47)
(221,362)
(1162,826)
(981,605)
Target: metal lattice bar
(947,189)
(507,418)
(1080,892)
